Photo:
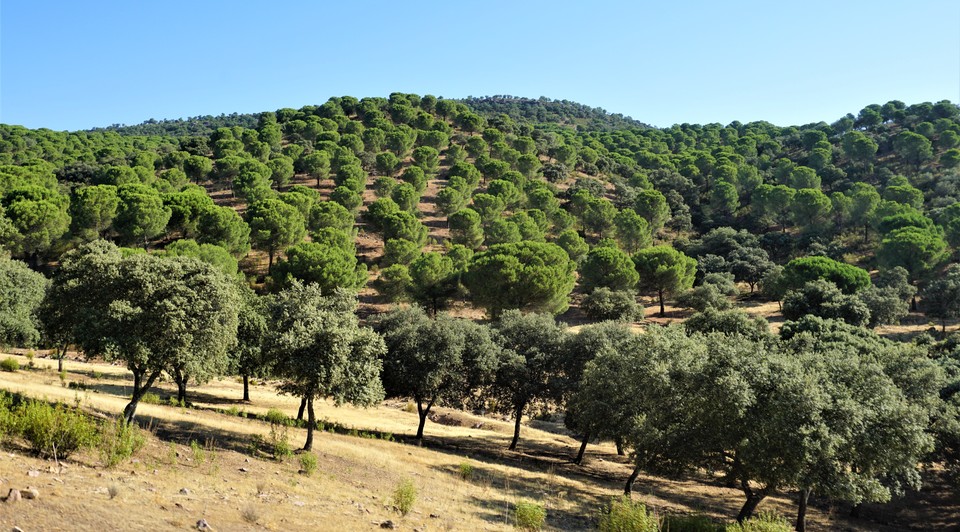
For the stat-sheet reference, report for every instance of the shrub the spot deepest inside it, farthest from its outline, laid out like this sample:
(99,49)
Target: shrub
(465,470)
(762,522)
(606,304)
(690,523)
(55,430)
(199,454)
(9,364)
(150,398)
(276,417)
(308,463)
(404,496)
(626,515)
(529,516)
(7,420)
(119,441)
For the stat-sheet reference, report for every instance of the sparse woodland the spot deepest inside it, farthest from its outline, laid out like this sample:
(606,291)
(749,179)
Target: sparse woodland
(497,255)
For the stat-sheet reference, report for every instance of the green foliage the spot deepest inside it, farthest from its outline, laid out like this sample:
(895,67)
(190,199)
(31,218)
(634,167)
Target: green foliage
(763,522)
(308,463)
(404,496)
(465,470)
(329,267)
(274,225)
(529,516)
(320,348)
(55,430)
(9,365)
(604,304)
(625,515)
(527,275)
(608,267)
(847,278)
(664,270)
(734,322)
(119,441)
(823,298)
(21,292)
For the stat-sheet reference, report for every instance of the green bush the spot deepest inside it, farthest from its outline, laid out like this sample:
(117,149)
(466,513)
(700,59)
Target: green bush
(465,470)
(9,364)
(308,463)
(626,515)
(150,398)
(276,417)
(7,420)
(55,430)
(404,496)
(119,441)
(689,523)
(762,522)
(529,516)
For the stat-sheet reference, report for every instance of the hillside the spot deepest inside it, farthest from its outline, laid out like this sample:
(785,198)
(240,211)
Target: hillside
(487,261)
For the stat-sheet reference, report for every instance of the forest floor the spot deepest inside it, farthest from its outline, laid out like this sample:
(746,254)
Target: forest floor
(171,485)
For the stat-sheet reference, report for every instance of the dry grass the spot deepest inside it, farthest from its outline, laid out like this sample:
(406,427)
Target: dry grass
(165,488)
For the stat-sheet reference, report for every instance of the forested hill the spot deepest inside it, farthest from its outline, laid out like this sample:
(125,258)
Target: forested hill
(256,249)
(538,111)
(401,183)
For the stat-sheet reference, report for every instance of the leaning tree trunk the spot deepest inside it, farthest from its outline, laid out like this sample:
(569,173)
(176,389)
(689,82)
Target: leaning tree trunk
(631,479)
(246,387)
(583,448)
(516,428)
(303,405)
(130,411)
(423,412)
(754,498)
(802,499)
(311,421)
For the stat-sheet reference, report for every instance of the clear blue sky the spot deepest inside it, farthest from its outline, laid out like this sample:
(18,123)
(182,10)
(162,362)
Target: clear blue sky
(79,64)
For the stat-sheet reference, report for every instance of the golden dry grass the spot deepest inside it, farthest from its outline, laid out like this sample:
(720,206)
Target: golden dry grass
(352,487)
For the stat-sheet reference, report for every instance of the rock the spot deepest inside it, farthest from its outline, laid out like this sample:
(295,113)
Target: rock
(184,491)
(16,529)
(203,525)
(33,473)
(434,516)
(30,493)
(13,496)
(243,470)
(388,524)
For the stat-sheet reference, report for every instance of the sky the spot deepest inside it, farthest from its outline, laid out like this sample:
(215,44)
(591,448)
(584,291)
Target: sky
(69,65)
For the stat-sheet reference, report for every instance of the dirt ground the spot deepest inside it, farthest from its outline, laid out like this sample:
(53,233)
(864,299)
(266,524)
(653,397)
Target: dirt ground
(170,485)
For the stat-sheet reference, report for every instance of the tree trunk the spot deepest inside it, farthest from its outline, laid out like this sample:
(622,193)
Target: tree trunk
(311,421)
(303,405)
(423,412)
(913,303)
(130,411)
(619,443)
(856,510)
(631,479)
(516,428)
(662,310)
(181,379)
(270,260)
(61,354)
(802,499)
(246,387)
(750,506)
(583,448)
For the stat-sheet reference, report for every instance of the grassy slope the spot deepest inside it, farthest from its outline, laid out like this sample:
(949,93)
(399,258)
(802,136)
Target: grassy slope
(356,476)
